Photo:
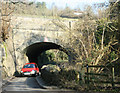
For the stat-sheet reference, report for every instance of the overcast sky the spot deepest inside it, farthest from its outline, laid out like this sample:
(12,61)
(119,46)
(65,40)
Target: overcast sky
(71,3)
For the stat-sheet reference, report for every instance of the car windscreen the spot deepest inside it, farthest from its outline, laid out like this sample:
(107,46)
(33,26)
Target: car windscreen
(29,66)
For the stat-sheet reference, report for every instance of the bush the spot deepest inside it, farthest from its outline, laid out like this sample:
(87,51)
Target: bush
(50,74)
(63,78)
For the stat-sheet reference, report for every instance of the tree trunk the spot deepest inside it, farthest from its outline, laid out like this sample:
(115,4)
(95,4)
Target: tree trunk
(102,41)
(119,27)
(119,20)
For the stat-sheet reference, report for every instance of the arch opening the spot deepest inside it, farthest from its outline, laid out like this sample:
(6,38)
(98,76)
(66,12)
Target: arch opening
(35,50)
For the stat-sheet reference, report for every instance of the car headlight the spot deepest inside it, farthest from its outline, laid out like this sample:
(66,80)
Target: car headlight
(33,72)
(21,71)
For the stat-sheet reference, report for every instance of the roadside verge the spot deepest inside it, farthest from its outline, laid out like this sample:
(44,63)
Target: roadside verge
(43,85)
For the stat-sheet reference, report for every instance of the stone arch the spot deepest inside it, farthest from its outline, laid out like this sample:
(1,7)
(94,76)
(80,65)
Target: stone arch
(33,50)
(33,38)
(36,38)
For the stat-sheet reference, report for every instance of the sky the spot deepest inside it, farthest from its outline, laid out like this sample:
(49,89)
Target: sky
(70,3)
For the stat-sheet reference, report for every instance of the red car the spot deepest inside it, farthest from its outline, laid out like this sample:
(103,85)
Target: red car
(30,69)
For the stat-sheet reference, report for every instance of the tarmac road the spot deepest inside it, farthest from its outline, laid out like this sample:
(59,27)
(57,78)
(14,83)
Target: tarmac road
(29,85)
(22,84)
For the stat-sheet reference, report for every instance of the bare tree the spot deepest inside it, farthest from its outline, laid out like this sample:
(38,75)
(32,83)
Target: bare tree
(6,12)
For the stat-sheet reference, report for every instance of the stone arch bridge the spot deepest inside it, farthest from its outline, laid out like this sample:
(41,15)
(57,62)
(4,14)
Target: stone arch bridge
(32,36)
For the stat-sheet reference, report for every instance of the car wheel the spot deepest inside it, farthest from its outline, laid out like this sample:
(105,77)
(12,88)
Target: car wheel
(22,75)
(37,74)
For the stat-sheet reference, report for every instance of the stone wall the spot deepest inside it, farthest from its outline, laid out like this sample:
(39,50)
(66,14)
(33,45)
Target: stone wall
(8,58)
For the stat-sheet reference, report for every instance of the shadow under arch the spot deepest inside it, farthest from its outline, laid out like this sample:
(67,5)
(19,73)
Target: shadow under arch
(34,50)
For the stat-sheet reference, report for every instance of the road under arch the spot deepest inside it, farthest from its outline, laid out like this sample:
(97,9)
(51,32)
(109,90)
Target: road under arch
(34,50)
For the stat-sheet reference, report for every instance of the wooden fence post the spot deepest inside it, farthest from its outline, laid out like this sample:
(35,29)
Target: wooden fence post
(87,74)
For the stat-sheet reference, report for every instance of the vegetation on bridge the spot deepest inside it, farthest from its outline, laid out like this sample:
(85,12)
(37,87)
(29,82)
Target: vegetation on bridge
(95,40)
